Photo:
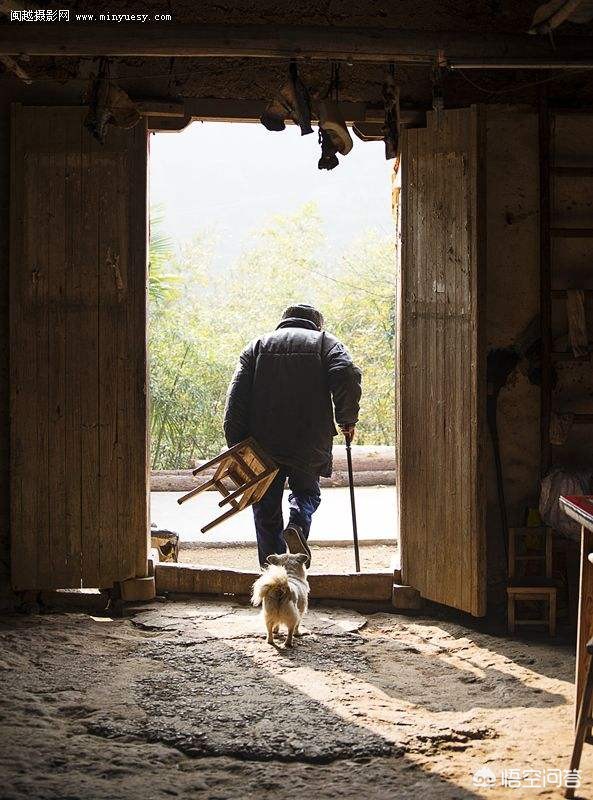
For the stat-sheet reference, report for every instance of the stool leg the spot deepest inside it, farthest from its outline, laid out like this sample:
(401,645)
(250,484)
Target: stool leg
(552,618)
(511,613)
(582,724)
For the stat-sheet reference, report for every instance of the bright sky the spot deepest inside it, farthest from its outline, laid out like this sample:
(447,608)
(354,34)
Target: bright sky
(231,178)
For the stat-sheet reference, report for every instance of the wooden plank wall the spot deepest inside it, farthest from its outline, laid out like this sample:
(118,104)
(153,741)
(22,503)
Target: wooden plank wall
(79,503)
(441,365)
(5,591)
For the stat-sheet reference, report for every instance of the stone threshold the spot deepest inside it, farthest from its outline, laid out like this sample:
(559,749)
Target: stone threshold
(381,587)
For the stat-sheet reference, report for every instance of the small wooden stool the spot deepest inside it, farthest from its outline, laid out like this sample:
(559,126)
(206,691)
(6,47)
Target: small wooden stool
(250,472)
(531,587)
(584,720)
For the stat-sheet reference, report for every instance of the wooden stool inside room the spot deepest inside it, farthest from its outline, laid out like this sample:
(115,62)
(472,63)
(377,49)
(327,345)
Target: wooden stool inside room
(530,578)
(242,475)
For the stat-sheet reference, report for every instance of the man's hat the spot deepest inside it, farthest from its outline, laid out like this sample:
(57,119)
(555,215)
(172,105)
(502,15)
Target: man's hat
(304,311)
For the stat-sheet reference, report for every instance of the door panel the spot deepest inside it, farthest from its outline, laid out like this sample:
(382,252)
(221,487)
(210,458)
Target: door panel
(441,364)
(79,462)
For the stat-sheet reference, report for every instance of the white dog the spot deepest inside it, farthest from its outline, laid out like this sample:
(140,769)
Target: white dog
(283,593)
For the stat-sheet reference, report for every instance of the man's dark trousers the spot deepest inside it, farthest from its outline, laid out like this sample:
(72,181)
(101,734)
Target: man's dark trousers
(304,500)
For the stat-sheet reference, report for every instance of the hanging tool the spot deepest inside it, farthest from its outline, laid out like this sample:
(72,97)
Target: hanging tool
(500,364)
(348,437)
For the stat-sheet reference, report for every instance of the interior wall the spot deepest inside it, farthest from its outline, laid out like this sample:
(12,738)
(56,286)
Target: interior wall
(512,302)
(572,206)
(5,594)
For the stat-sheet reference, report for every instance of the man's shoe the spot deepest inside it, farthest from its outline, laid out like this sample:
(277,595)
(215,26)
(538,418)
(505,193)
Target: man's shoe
(296,542)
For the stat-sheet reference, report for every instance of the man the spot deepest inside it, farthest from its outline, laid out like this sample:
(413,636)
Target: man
(281,394)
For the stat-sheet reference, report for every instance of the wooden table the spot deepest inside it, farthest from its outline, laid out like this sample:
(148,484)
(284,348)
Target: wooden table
(580,508)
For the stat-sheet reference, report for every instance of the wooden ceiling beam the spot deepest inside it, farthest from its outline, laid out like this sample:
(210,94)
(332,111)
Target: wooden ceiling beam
(273,41)
(176,116)
(220,110)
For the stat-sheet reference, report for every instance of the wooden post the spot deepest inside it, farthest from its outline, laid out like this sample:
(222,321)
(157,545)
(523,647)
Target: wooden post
(545,285)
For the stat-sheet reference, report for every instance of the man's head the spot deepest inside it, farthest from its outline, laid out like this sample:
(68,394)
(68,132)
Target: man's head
(303,311)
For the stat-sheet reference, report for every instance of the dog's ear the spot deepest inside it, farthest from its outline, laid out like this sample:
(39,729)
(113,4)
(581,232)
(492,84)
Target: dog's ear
(302,558)
(273,559)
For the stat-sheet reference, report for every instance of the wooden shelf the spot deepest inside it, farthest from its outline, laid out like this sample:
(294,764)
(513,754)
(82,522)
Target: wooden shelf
(579,419)
(573,172)
(572,233)
(560,294)
(567,111)
(568,356)
(583,419)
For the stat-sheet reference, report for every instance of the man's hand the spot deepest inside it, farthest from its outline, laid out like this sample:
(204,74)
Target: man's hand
(348,431)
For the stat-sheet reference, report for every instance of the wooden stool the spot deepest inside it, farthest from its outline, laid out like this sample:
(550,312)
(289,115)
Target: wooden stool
(250,472)
(584,720)
(530,587)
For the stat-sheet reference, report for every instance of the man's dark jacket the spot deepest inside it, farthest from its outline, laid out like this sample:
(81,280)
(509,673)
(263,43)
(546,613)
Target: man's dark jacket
(281,394)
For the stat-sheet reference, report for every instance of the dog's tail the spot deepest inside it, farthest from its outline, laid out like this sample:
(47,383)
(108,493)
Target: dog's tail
(273,585)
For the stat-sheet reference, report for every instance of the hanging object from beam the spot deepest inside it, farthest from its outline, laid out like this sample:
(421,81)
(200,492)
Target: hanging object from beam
(291,102)
(108,105)
(334,134)
(328,159)
(11,65)
(552,14)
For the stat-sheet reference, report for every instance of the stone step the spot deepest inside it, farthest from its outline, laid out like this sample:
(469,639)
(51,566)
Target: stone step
(376,587)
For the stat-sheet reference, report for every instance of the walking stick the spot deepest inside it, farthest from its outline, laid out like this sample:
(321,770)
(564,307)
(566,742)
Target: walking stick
(348,438)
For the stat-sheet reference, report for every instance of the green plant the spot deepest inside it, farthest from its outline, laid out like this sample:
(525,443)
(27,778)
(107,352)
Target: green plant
(199,326)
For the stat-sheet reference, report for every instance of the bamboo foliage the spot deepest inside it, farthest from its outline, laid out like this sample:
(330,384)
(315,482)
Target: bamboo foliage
(201,318)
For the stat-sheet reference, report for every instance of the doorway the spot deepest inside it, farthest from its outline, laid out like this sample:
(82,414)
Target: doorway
(243,224)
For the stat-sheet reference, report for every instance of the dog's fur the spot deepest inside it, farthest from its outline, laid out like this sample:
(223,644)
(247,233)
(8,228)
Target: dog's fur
(283,593)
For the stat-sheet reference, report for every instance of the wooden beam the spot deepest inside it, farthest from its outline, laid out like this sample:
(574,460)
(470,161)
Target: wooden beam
(156,108)
(545,281)
(219,110)
(267,41)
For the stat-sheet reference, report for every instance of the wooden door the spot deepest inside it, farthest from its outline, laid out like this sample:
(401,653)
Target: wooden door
(441,364)
(78,275)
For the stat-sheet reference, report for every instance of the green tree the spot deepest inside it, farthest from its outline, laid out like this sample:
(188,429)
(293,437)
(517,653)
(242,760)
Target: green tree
(201,323)
(160,284)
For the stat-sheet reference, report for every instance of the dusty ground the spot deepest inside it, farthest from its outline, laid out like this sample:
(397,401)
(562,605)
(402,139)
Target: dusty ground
(187,700)
(325,559)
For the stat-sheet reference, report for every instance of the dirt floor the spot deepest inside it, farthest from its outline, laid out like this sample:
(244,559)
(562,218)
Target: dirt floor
(187,700)
(325,559)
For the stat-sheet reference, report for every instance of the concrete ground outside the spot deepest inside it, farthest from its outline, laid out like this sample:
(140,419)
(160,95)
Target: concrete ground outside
(375,512)
(325,559)
(187,700)
(331,532)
